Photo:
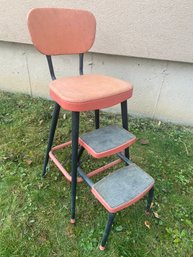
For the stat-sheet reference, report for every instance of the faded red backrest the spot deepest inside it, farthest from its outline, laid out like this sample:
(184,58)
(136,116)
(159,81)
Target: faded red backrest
(56,31)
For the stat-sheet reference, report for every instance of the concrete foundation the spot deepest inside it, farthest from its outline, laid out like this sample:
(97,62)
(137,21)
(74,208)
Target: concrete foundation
(162,89)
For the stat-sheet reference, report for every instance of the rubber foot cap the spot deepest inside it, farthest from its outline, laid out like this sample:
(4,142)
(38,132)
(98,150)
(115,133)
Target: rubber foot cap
(102,248)
(72,221)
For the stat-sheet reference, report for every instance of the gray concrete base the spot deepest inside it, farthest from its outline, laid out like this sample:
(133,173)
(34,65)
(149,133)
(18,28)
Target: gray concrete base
(162,89)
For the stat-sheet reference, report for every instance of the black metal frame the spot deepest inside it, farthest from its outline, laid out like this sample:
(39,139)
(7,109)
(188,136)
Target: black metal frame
(54,122)
(76,154)
(124,115)
(149,200)
(85,178)
(75,135)
(111,217)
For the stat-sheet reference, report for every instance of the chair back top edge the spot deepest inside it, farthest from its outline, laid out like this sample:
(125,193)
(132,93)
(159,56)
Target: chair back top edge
(58,31)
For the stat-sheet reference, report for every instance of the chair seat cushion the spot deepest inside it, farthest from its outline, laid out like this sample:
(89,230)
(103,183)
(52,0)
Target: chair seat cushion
(89,92)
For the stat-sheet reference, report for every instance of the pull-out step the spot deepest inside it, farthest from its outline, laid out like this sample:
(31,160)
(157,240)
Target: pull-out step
(122,188)
(106,141)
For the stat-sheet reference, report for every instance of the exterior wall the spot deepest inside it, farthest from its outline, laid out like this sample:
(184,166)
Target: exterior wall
(148,29)
(162,89)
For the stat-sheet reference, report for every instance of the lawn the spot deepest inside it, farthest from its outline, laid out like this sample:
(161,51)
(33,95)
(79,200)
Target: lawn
(34,212)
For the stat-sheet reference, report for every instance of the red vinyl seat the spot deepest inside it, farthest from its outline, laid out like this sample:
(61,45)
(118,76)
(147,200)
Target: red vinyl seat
(89,92)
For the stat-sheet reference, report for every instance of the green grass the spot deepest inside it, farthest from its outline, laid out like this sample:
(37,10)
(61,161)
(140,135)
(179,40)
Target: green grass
(34,212)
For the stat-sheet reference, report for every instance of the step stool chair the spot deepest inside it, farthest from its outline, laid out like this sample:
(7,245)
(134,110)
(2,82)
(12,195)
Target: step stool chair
(58,31)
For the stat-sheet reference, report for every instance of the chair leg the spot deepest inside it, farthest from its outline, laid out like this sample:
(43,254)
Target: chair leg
(124,115)
(107,230)
(97,125)
(97,121)
(51,136)
(80,152)
(149,200)
(75,135)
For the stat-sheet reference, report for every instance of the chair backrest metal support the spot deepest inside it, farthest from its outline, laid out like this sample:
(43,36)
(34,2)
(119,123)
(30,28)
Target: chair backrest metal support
(81,60)
(51,68)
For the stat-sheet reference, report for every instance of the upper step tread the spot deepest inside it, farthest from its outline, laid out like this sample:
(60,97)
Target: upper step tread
(122,188)
(106,141)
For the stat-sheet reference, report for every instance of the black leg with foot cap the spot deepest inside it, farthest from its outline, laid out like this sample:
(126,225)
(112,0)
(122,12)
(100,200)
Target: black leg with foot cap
(107,230)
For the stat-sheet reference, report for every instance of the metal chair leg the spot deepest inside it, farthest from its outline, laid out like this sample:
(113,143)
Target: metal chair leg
(51,136)
(97,121)
(75,135)
(80,152)
(107,230)
(124,115)
(149,200)
(97,125)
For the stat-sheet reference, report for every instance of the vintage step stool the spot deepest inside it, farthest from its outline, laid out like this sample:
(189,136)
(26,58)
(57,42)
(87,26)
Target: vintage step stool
(58,31)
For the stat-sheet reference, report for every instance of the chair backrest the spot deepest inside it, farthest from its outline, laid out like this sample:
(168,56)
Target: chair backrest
(56,31)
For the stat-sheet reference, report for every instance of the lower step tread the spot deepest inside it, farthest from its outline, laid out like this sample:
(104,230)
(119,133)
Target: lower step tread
(122,188)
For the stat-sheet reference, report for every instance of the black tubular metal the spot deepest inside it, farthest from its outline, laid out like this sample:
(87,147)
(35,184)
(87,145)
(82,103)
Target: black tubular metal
(81,60)
(125,159)
(124,115)
(55,116)
(84,177)
(97,121)
(80,152)
(51,68)
(150,199)
(81,72)
(75,134)
(108,228)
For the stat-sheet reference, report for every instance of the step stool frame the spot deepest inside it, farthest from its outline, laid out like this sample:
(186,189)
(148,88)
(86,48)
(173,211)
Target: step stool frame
(75,136)
(76,155)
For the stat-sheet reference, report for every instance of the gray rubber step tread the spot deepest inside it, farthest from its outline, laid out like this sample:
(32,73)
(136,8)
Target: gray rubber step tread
(104,139)
(123,185)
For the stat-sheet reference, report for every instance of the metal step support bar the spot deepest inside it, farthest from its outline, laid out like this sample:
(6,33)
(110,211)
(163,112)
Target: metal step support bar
(84,177)
(124,158)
